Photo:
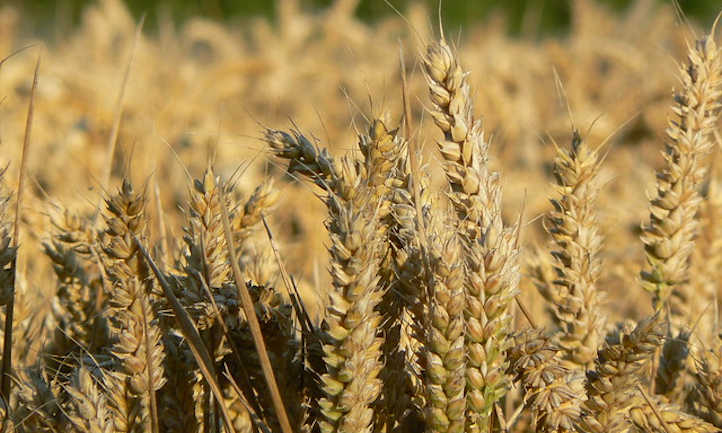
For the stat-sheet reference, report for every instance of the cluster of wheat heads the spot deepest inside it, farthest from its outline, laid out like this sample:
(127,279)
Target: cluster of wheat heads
(417,332)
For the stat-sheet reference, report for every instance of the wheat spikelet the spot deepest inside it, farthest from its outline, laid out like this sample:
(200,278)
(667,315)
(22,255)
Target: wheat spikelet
(672,370)
(377,174)
(706,262)
(303,156)
(673,226)
(205,263)
(176,399)
(666,418)
(261,201)
(493,251)
(38,408)
(619,368)
(88,412)
(706,398)
(242,422)
(78,295)
(551,389)
(409,283)
(124,408)
(383,151)
(464,149)
(275,316)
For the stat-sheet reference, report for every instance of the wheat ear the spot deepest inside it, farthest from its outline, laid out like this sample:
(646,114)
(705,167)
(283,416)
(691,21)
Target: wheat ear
(383,150)
(551,389)
(493,251)
(444,342)
(706,399)
(574,228)
(88,412)
(619,367)
(669,236)
(352,345)
(654,415)
(137,343)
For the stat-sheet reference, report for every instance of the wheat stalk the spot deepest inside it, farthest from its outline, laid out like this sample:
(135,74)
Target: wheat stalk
(88,411)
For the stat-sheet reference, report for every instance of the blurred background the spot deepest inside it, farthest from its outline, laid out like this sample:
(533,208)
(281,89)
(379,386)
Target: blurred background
(531,17)
(208,75)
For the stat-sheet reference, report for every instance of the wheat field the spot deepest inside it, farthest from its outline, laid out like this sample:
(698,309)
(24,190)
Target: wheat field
(317,224)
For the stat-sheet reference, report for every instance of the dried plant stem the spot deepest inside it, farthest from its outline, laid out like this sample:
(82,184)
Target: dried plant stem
(254,326)
(113,137)
(9,313)
(189,331)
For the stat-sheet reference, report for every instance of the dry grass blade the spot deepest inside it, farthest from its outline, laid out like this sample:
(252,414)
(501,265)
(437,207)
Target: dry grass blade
(9,315)
(255,327)
(652,406)
(234,348)
(113,137)
(189,331)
